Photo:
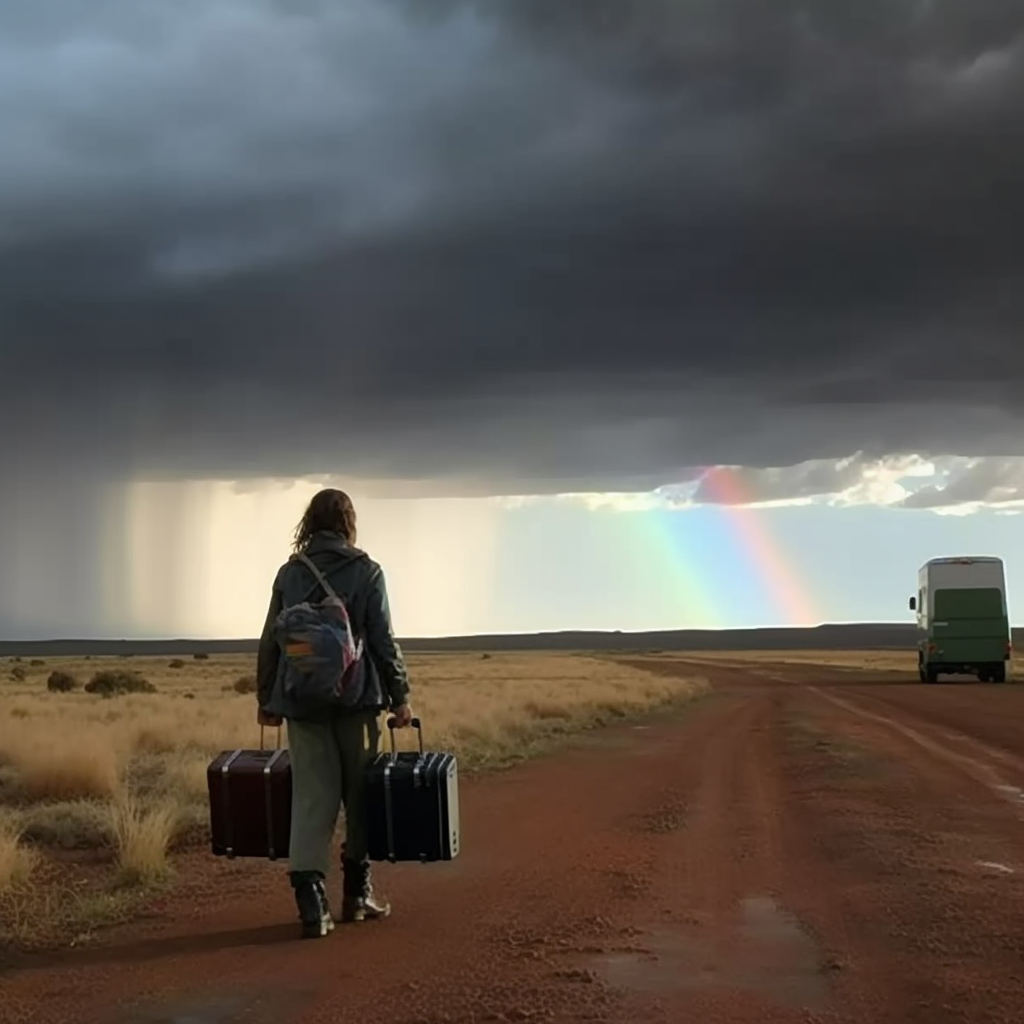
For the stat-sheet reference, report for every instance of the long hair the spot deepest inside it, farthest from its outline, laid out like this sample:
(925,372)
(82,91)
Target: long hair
(329,510)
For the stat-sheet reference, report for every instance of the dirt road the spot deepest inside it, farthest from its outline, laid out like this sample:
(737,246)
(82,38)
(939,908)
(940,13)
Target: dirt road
(797,847)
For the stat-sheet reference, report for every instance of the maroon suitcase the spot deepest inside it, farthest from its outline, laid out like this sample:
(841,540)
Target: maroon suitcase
(251,802)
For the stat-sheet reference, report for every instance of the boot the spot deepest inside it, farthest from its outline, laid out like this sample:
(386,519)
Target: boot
(358,901)
(311,901)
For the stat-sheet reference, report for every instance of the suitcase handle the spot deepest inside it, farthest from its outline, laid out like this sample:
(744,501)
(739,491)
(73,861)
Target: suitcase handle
(414,723)
(262,730)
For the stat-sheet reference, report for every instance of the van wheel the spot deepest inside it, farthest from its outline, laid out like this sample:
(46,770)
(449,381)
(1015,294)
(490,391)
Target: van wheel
(998,674)
(931,675)
(985,677)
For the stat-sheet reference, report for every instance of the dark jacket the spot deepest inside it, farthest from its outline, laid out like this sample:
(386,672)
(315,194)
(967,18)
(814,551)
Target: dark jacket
(359,582)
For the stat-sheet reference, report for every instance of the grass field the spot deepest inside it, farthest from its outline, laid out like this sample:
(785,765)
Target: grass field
(98,792)
(865,661)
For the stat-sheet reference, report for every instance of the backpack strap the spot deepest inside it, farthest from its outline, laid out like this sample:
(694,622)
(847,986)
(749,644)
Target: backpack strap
(320,577)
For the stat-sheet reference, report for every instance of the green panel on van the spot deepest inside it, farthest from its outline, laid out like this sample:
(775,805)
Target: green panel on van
(973,603)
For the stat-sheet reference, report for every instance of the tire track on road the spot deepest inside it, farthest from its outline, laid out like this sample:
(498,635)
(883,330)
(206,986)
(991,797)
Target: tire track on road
(981,771)
(918,841)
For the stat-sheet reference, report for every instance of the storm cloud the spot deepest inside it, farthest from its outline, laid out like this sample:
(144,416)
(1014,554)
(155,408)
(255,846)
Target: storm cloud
(941,483)
(509,247)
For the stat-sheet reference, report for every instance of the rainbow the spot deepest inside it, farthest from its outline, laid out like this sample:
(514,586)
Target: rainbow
(781,583)
(655,537)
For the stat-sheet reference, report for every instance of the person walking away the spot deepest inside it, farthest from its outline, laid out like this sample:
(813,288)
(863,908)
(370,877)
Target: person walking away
(330,746)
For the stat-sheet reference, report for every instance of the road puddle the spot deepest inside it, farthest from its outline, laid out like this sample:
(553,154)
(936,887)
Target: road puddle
(994,865)
(218,1007)
(203,1010)
(764,951)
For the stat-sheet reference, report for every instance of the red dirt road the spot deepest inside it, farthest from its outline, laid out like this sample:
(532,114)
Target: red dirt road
(800,846)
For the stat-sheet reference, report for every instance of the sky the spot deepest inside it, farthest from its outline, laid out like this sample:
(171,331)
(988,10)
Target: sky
(609,314)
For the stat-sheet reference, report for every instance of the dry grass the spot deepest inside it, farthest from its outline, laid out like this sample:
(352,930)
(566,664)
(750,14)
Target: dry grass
(68,825)
(66,748)
(125,776)
(866,661)
(881,661)
(142,836)
(17,860)
(58,766)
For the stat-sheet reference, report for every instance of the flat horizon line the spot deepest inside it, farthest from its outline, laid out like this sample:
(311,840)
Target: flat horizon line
(849,623)
(831,636)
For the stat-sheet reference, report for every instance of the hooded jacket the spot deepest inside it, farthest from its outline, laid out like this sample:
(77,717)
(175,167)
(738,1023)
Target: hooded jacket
(359,582)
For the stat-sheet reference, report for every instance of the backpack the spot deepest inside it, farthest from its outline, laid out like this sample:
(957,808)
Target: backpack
(321,658)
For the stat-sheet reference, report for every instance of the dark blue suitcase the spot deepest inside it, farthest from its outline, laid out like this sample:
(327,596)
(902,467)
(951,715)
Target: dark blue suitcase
(412,803)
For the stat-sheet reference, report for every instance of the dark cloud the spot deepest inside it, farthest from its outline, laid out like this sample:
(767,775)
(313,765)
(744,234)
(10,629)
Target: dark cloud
(509,246)
(905,481)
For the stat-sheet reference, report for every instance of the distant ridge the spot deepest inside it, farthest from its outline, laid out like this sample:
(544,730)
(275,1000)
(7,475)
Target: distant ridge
(828,637)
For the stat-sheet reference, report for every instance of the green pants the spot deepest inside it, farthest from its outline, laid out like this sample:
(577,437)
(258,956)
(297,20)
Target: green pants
(328,760)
